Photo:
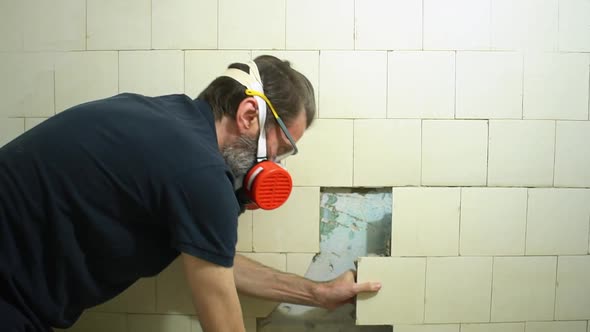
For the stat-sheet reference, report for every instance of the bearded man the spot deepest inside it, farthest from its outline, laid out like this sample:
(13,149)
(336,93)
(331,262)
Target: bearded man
(114,190)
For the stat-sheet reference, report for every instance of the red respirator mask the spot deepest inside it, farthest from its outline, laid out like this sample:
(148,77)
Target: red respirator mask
(268,184)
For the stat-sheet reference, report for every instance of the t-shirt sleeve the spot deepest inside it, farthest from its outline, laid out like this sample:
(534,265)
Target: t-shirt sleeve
(202,213)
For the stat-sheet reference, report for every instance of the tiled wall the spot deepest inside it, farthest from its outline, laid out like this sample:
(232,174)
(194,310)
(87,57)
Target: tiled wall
(475,112)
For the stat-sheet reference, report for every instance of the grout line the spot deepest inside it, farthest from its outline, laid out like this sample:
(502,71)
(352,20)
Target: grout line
(354,31)
(455,96)
(285,44)
(554,150)
(421,151)
(460,215)
(522,89)
(86,29)
(492,289)
(425,278)
(488,156)
(387,83)
(151,24)
(422,25)
(555,290)
(118,71)
(526,220)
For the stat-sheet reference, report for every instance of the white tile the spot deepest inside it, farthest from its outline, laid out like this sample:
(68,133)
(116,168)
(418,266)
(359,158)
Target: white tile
(421,85)
(139,298)
(555,326)
(574,30)
(314,165)
(493,221)
(572,154)
(557,222)
(573,289)
(85,76)
(158,323)
(428,328)
(118,25)
(425,232)
(294,227)
(493,327)
(195,325)
(353,84)
(99,322)
(245,232)
(388,24)
(489,85)
(254,307)
(454,152)
(33,122)
(323,24)
(306,62)
(298,263)
(258,24)
(12,13)
(54,25)
(521,153)
(387,152)
(523,288)
(458,289)
(173,294)
(11,128)
(202,67)
(401,298)
(182,24)
(524,25)
(457,25)
(35,85)
(151,73)
(556,86)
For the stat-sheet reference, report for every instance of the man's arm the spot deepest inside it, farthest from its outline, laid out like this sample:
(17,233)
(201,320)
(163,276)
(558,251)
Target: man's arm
(255,279)
(214,295)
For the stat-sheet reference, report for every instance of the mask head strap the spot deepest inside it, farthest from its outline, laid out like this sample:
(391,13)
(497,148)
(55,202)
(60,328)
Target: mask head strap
(252,81)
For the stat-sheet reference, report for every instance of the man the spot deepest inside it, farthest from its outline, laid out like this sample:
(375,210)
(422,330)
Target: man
(113,190)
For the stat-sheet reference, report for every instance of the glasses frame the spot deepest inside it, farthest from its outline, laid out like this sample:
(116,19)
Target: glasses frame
(254,93)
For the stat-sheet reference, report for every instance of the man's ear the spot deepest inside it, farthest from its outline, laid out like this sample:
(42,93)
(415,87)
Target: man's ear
(247,116)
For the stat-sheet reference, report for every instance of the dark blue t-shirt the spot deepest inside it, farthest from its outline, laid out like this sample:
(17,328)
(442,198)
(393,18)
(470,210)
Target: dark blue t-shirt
(107,192)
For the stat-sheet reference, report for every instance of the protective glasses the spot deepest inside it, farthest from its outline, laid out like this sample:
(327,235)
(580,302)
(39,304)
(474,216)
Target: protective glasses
(293,149)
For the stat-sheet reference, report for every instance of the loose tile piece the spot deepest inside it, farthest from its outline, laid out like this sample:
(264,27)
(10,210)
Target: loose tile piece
(401,298)
(458,289)
(293,227)
(557,222)
(420,231)
(523,288)
(457,25)
(353,84)
(493,221)
(521,153)
(573,289)
(421,85)
(326,24)
(489,85)
(388,24)
(387,152)
(454,152)
(572,154)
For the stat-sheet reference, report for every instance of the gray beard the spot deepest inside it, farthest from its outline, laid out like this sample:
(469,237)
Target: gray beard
(241,155)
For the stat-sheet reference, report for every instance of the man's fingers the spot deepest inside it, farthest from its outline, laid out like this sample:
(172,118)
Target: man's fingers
(367,287)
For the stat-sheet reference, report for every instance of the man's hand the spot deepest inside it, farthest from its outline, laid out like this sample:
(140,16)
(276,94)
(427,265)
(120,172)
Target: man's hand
(342,290)
(255,279)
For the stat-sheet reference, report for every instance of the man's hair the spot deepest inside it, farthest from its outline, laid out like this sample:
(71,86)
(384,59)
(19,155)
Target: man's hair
(289,91)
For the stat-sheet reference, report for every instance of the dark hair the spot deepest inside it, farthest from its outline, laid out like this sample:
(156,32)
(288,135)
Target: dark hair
(289,91)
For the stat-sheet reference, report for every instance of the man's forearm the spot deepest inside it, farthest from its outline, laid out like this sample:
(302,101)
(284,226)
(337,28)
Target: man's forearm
(255,279)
